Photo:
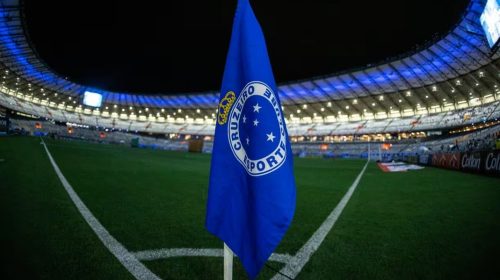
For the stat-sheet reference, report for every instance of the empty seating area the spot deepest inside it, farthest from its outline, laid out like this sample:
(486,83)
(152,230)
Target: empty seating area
(484,139)
(450,119)
(479,140)
(48,128)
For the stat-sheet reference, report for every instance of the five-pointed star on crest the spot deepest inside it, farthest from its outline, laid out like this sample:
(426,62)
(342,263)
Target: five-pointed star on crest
(270,137)
(256,122)
(244,119)
(256,108)
(248,141)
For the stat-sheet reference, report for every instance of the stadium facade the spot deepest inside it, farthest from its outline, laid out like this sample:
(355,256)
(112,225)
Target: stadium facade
(452,81)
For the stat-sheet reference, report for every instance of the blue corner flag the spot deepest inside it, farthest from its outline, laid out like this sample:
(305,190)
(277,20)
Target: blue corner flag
(251,199)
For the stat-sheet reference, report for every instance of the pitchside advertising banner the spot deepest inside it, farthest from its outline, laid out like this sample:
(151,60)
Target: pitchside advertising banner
(448,160)
(477,162)
(491,162)
(471,162)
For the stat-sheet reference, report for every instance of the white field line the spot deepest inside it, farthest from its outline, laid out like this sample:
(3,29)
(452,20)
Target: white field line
(131,260)
(127,259)
(297,262)
(151,255)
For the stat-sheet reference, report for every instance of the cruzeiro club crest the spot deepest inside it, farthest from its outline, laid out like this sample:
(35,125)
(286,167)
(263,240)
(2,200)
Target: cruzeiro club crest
(256,131)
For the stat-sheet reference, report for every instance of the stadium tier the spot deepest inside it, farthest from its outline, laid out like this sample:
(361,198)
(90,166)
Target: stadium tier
(479,140)
(361,183)
(419,90)
(445,120)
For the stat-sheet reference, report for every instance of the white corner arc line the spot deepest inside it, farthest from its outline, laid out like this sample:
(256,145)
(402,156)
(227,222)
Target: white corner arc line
(127,259)
(297,262)
(151,255)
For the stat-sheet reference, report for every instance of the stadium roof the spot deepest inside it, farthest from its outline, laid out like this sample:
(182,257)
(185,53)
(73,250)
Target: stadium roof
(455,69)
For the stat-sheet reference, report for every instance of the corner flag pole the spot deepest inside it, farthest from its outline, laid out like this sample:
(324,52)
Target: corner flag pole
(228,263)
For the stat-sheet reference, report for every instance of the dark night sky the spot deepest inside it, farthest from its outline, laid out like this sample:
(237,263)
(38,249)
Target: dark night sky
(180,46)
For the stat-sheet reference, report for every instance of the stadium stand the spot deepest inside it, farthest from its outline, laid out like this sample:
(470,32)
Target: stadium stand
(449,84)
(438,105)
(51,129)
(416,91)
(449,119)
(483,139)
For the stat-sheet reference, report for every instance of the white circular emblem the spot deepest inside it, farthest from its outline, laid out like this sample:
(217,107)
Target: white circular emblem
(256,131)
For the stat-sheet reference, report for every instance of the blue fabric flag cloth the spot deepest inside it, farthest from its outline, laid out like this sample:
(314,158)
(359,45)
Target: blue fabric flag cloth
(251,199)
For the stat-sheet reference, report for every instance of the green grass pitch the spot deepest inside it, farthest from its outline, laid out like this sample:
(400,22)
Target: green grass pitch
(428,224)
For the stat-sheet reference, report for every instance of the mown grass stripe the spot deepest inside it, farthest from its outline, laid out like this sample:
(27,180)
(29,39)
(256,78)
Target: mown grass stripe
(297,262)
(127,259)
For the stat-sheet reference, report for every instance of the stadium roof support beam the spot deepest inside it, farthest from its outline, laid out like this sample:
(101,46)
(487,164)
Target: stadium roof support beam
(291,102)
(456,73)
(306,90)
(394,85)
(355,96)
(479,51)
(330,95)
(396,71)
(445,79)
(367,92)
(340,94)
(421,83)
(322,113)
(458,60)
